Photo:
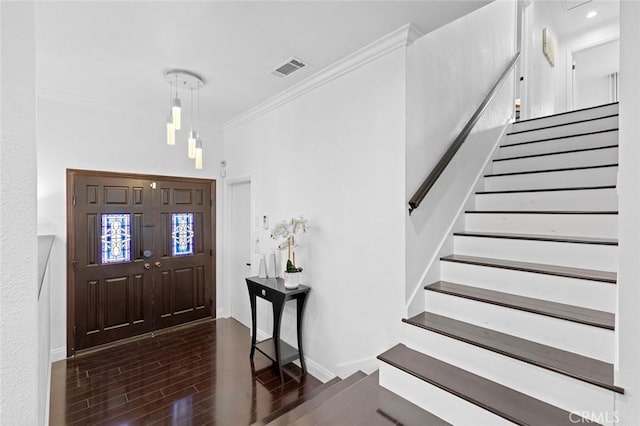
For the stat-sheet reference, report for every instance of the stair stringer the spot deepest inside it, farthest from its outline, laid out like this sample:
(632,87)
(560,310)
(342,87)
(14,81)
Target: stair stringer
(487,144)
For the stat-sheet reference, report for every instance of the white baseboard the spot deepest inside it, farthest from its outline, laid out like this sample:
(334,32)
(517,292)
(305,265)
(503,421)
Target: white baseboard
(222,313)
(58,354)
(316,370)
(262,335)
(47,406)
(367,365)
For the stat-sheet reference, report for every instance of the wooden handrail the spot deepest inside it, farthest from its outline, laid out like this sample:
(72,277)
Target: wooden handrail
(423,190)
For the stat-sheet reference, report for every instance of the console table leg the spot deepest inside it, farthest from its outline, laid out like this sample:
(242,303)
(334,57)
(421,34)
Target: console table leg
(300,304)
(252,301)
(278,307)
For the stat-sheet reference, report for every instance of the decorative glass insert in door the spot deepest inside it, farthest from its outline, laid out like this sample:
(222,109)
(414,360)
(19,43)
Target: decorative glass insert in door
(182,234)
(116,238)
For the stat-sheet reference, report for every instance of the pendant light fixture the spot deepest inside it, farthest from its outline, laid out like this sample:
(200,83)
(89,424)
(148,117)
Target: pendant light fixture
(188,80)
(193,135)
(171,130)
(198,153)
(176,109)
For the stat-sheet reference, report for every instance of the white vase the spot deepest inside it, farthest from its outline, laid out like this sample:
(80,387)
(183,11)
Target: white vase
(292,280)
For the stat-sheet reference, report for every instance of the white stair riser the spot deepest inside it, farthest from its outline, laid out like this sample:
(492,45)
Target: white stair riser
(554,388)
(588,199)
(586,340)
(605,123)
(596,157)
(584,225)
(571,291)
(439,402)
(564,179)
(565,144)
(588,256)
(566,118)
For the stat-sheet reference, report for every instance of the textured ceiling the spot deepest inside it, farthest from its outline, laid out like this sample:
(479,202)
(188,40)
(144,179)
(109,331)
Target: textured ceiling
(115,52)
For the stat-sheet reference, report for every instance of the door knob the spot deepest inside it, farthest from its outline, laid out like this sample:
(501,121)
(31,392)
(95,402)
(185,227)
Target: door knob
(147,266)
(158,264)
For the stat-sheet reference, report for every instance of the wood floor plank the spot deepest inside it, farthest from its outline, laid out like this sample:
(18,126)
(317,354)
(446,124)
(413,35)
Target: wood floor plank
(303,409)
(202,371)
(287,407)
(367,403)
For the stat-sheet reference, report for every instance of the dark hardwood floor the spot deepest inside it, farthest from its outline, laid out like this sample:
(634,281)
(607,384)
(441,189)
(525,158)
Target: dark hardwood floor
(196,375)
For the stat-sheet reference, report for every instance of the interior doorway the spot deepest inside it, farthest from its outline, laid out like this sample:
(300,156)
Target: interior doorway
(595,74)
(239,249)
(140,254)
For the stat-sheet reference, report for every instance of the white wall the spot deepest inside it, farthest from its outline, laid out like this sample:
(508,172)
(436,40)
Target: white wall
(593,66)
(44,349)
(577,42)
(336,155)
(545,84)
(548,89)
(18,247)
(449,72)
(76,133)
(628,317)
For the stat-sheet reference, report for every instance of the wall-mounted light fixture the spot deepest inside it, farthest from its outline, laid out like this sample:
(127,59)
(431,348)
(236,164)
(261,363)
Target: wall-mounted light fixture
(183,79)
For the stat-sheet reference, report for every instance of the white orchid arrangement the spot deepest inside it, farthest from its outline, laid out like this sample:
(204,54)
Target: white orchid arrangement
(288,229)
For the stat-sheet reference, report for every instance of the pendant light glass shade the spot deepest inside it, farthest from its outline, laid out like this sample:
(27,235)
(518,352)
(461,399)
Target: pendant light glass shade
(199,154)
(171,131)
(184,79)
(176,113)
(193,135)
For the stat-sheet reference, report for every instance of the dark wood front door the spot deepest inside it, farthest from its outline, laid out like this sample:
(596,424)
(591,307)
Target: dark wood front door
(141,254)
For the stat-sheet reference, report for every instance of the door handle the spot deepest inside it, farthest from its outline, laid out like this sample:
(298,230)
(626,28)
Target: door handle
(158,264)
(147,266)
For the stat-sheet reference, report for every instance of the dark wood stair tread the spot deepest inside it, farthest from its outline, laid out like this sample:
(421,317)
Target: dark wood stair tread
(368,403)
(578,188)
(562,169)
(546,154)
(561,311)
(293,404)
(534,237)
(551,126)
(578,212)
(539,268)
(318,399)
(564,113)
(496,398)
(580,367)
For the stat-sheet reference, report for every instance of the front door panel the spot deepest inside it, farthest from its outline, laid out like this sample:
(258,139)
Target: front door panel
(140,253)
(185,242)
(113,290)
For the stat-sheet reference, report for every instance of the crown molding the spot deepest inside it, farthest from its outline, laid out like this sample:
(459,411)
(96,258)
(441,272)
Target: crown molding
(401,37)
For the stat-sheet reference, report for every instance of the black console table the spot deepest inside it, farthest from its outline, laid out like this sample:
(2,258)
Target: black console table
(273,290)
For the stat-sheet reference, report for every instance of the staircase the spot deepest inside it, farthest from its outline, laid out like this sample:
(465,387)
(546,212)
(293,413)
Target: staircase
(356,400)
(520,328)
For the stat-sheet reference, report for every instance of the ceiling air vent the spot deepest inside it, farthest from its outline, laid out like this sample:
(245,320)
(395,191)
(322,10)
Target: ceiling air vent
(289,67)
